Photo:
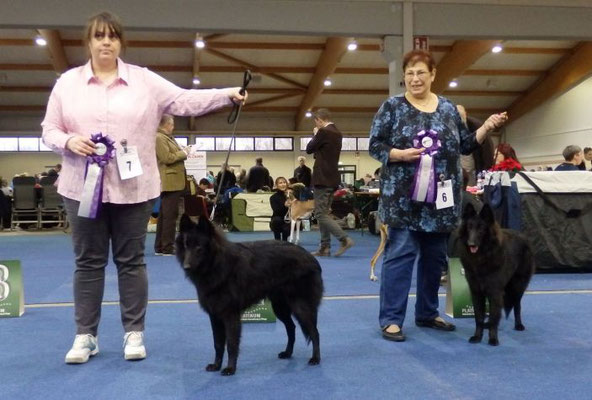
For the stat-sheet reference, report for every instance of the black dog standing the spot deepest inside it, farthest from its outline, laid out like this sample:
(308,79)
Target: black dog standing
(498,266)
(230,277)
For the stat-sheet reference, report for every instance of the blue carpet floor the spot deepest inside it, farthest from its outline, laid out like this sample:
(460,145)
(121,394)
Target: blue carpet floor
(550,360)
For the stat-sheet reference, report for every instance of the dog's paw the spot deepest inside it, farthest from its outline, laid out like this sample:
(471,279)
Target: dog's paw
(213,367)
(228,371)
(493,342)
(519,327)
(475,339)
(314,361)
(284,355)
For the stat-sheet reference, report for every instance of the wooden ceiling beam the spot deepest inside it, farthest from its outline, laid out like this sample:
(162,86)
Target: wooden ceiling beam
(293,70)
(483,93)
(253,67)
(566,73)
(503,72)
(55,50)
(25,89)
(270,100)
(335,48)
(535,50)
(26,67)
(463,54)
(17,108)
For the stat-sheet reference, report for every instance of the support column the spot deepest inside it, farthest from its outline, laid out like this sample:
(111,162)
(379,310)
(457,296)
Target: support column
(392,52)
(394,47)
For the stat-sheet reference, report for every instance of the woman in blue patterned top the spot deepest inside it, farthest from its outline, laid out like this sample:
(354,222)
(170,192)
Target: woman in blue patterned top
(418,137)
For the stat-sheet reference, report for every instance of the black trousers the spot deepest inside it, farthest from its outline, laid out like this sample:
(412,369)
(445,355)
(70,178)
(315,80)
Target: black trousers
(280,228)
(167,222)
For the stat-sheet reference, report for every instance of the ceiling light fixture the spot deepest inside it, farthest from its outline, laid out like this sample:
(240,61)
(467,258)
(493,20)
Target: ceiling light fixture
(40,41)
(497,48)
(327,82)
(353,45)
(308,114)
(196,80)
(200,43)
(453,84)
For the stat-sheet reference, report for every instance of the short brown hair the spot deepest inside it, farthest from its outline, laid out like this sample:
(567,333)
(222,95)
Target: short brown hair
(107,19)
(415,56)
(323,114)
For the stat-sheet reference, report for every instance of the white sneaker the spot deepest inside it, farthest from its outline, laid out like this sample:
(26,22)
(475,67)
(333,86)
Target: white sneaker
(133,346)
(84,346)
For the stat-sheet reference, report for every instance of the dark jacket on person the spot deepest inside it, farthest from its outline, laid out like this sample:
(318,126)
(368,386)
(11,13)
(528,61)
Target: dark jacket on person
(229,181)
(303,174)
(277,201)
(257,178)
(566,167)
(326,146)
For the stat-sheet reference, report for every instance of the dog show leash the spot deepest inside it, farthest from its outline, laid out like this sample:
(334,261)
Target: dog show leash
(232,118)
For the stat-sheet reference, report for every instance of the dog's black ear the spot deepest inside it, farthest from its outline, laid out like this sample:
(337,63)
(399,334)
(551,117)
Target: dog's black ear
(487,214)
(186,224)
(469,211)
(204,224)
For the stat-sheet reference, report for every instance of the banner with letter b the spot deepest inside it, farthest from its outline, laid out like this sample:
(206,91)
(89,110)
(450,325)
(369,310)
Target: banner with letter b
(12,299)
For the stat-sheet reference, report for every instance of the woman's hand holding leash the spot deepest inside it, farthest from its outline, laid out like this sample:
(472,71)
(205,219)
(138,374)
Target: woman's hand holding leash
(237,94)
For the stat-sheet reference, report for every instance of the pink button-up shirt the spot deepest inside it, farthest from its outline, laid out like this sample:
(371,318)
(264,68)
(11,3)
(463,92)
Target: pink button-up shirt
(130,108)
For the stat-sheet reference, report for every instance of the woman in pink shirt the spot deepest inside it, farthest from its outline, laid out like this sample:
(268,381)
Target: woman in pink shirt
(123,102)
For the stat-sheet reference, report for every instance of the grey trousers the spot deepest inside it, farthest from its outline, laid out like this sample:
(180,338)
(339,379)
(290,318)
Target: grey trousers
(323,198)
(124,225)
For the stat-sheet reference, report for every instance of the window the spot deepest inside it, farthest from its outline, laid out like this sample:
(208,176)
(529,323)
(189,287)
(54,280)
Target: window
(182,140)
(244,144)
(304,142)
(263,144)
(8,144)
(283,143)
(222,143)
(42,146)
(363,143)
(348,144)
(204,143)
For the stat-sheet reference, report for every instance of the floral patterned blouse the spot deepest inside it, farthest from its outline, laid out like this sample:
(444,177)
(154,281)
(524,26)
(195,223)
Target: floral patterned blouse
(394,126)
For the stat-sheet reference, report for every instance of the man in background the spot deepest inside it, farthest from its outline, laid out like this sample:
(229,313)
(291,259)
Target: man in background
(573,157)
(302,173)
(326,147)
(171,166)
(257,177)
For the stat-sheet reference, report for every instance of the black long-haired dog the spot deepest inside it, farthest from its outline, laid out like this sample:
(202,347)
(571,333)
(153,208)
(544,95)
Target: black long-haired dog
(230,277)
(498,265)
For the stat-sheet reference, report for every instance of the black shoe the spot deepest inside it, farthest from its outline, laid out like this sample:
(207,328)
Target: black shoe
(436,324)
(395,337)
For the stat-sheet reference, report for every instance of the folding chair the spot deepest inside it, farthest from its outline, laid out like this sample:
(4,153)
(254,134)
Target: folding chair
(24,204)
(51,206)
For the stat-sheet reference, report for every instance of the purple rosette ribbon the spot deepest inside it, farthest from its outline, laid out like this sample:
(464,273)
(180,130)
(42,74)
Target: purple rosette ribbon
(92,192)
(423,188)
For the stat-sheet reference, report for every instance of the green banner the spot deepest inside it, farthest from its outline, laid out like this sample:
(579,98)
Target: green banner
(12,300)
(459,303)
(260,312)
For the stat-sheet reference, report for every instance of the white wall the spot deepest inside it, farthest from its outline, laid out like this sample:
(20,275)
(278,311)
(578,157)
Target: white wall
(32,163)
(540,136)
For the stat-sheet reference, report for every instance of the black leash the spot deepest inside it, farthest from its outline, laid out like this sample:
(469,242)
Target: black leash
(232,118)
